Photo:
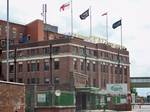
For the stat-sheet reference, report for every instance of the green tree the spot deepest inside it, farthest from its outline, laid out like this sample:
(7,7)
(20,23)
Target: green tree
(133,90)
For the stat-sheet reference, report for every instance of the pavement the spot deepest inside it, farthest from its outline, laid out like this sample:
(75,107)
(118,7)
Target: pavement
(136,108)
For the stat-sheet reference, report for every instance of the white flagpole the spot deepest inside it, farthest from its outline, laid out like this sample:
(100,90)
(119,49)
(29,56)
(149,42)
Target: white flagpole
(107,26)
(71,19)
(121,32)
(7,72)
(90,22)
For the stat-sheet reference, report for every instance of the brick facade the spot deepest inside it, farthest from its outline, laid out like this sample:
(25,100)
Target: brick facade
(12,97)
(68,56)
(40,56)
(32,32)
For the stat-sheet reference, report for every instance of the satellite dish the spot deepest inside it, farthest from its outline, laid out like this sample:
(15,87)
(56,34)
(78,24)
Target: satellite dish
(57,92)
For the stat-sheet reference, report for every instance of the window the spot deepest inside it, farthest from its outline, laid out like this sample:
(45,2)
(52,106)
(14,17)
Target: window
(56,50)
(28,67)
(46,65)
(14,32)
(11,42)
(125,71)
(105,54)
(82,51)
(46,80)
(20,80)
(32,51)
(116,69)
(6,29)
(101,54)
(41,98)
(37,51)
(115,57)
(82,64)
(46,50)
(29,37)
(11,68)
(33,66)
(111,68)
(19,53)
(28,81)
(94,66)
(111,56)
(75,50)
(28,52)
(102,68)
(33,80)
(87,52)
(106,68)
(57,80)
(120,70)
(56,64)
(37,66)
(11,80)
(37,80)
(88,65)
(95,53)
(75,63)
(20,67)
(11,54)
(20,35)
(3,43)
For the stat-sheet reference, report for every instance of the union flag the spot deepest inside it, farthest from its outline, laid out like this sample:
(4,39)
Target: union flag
(64,6)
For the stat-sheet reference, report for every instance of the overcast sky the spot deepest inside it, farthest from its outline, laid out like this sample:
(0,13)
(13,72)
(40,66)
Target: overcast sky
(135,23)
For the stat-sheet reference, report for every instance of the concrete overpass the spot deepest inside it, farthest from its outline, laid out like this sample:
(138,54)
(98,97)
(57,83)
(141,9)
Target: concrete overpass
(140,82)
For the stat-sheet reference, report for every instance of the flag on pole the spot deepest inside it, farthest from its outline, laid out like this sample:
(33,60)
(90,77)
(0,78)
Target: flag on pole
(104,14)
(84,15)
(116,24)
(63,6)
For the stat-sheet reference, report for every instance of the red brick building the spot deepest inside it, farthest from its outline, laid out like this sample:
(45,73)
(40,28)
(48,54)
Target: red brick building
(69,55)
(65,61)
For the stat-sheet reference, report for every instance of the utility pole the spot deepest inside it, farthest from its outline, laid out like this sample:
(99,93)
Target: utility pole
(1,76)
(7,50)
(51,65)
(118,66)
(15,64)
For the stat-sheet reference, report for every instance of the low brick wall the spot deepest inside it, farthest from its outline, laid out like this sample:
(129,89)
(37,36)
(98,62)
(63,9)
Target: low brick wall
(72,109)
(121,107)
(12,97)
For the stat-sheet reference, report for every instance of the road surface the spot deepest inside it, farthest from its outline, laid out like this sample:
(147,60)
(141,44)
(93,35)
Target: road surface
(142,108)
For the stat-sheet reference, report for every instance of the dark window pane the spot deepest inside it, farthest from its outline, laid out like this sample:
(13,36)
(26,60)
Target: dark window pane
(20,80)
(94,67)
(75,64)
(88,66)
(46,50)
(20,67)
(46,66)
(28,67)
(33,67)
(38,66)
(11,68)
(56,50)
(56,65)
(33,80)
(82,65)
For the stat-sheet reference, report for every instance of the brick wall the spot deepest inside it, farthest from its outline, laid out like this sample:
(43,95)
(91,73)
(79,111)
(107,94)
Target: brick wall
(12,97)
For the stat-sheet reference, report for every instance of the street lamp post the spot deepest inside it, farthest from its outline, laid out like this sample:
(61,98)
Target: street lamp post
(7,53)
